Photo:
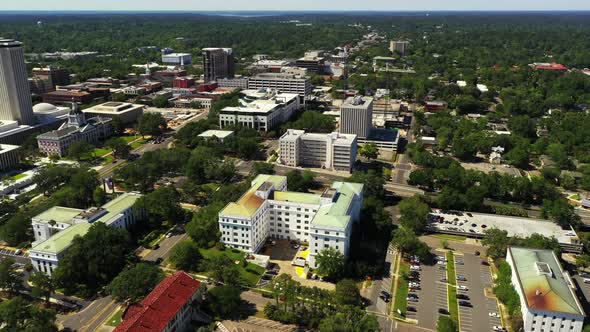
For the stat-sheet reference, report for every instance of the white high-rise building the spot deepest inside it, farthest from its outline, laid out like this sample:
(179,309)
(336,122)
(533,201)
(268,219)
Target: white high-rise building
(356,116)
(547,294)
(400,46)
(268,210)
(15,95)
(330,151)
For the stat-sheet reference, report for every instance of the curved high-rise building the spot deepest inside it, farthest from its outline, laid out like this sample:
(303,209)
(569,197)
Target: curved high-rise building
(15,96)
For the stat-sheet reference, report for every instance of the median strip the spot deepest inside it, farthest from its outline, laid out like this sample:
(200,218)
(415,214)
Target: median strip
(401,303)
(452,288)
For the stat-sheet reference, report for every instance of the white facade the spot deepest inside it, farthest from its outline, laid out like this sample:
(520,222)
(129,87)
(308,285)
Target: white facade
(263,115)
(267,210)
(285,83)
(330,151)
(356,116)
(177,59)
(400,46)
(9,156)
(15,95)
(547,294)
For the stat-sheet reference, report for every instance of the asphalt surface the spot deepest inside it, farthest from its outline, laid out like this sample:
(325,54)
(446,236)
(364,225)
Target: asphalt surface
(91,317)
(475,318)
(432,296)
(376,305)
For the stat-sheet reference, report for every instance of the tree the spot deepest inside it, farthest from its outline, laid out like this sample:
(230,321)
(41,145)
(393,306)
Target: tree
(347,293)
(262,168)
(151,124)
(49,179)
(350,319)
(559,154)
(414,214)
(195,104)
(94,259)
(203,229)
(20,315)
(224,270)
(406,241)
(497,242)
(79,149)
(186,256)
(224,301)
(446,324)
(117,124)
(330,263)
(9,277)
(300,181)
(120,148)
(518,157)
(99,196)
(43,286)
(370,151)
(16,230)
(561,212)
(162,204)
(160,102)
(136,282)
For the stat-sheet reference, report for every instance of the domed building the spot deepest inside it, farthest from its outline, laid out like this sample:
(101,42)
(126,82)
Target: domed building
(76,128)
(46,113)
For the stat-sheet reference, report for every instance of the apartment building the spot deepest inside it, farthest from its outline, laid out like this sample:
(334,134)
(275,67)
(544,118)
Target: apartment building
(262,114)
(267,210)
(55,228)
(285,83)
(547,294)
(356,116)
(333,151)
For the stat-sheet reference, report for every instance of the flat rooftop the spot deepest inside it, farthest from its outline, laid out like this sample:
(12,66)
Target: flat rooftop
(249,203)
(118,205)
(515,226)
(542,281)
(357,102)
(113,107)
(59,214)
(296,197)
(335,215)
(383,135)
(216,133)
(62,240)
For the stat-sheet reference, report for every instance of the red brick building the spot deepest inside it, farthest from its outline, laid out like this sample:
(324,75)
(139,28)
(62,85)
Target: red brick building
(169,307)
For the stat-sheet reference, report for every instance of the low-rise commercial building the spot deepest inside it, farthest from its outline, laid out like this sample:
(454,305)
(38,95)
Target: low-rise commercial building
(9,156)
(55,228)
(267,210)
(333,151)
(262,114)
(221,135)
(547,294)
(127,112)
(76,129)
(169,307)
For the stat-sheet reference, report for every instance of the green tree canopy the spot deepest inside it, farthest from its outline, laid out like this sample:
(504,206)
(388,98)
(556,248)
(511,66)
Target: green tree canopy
(186,256)
(136,282)
(330,263)
(151,124)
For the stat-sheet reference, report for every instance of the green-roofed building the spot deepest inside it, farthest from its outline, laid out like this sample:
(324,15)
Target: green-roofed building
(547,294)
(267,210)
(56,227)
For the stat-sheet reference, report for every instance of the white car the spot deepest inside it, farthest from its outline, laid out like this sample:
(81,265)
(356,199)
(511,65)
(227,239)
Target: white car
(461,287)
(494,314)
(415,268)
(414,284)
(441,263)
(498,328)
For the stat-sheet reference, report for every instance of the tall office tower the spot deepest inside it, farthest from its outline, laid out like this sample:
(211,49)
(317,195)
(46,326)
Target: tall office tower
(54,75)
(218,63)
(356,116)
(15,96)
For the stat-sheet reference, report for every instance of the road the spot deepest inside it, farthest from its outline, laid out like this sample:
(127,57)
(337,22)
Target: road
(376,305)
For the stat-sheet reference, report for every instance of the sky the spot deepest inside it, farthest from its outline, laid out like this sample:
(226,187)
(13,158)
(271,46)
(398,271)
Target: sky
(286,5)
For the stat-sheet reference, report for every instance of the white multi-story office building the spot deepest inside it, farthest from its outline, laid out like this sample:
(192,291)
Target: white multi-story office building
(177,59)
(261,114)
(55,228)
(547,295)
(356,116)
(15,95)
(400,46)
(268,210)
(285,83)
(330,151)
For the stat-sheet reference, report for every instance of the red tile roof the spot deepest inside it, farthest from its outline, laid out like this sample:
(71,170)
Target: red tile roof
(155,311)
(551,66)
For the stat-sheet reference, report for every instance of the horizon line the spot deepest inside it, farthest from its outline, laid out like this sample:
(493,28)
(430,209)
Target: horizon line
(291,10)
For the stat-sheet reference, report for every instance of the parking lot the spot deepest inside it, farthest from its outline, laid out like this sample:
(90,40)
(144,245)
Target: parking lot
(475,276)
(432,295)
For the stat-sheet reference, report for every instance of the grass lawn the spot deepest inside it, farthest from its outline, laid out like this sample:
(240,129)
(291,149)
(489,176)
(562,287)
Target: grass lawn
(139,143)
(400,302)
(449,237)
(18,176)
(115,320)
(250,274)
(452,288)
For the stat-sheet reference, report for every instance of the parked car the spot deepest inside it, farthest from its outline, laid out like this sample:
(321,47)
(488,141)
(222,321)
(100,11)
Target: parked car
(411,309)
(461,287)
(494,314)
(443,311)
(498,328)
(462,297)
(485,263)
(442,267)
(412,299)
(461,278)
(464,304)
(415,268)
(459,263)
(444,280)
